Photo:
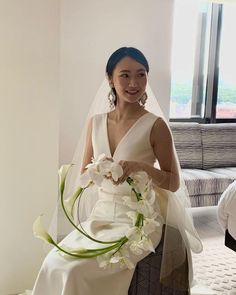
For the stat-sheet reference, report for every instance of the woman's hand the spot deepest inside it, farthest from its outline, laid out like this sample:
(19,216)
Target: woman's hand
(128,168)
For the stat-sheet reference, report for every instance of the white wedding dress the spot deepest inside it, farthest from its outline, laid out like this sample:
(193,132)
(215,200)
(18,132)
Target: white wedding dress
(60,275)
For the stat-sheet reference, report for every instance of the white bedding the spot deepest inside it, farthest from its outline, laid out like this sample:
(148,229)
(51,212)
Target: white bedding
(226,210)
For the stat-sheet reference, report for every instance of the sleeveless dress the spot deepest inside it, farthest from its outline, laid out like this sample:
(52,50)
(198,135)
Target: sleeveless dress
(60,275)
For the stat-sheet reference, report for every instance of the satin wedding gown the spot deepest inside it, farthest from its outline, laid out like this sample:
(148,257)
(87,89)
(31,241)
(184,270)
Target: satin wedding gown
(60,275)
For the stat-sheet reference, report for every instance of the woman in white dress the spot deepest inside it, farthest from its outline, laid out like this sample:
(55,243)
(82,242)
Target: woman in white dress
(136,139)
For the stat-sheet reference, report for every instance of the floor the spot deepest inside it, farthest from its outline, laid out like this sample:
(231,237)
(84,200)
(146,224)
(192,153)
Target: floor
(215,267)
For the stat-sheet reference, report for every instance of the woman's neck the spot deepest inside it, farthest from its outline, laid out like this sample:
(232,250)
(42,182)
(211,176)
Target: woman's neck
(127,111)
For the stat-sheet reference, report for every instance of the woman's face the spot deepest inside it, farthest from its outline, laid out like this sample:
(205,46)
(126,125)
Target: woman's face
(129,78)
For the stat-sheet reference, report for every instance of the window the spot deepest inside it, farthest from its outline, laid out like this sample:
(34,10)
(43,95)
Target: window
(226,100)
(203,85)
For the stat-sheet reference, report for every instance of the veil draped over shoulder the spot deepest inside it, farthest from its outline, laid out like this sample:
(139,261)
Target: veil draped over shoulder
(177,204)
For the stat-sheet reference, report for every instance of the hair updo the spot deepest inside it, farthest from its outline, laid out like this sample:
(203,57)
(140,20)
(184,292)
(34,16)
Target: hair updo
(122,52)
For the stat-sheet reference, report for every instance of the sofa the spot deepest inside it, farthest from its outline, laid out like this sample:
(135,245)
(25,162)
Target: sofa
(207,155)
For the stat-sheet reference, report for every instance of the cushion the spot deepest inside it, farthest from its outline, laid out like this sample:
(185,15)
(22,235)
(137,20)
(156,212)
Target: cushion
(230,172)
(203,182)
(187,139)
(219,145)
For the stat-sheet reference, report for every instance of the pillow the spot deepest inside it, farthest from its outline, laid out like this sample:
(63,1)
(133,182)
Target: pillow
(219,145)
(187,139)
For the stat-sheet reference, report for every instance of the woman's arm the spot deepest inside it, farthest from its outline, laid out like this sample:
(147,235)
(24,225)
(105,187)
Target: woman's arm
(88,150)
(167,176)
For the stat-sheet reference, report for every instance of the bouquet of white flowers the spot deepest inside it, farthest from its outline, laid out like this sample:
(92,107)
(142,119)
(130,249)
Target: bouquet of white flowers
(142,214)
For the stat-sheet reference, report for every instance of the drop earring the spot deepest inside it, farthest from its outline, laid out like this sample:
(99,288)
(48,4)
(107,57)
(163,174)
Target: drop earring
(111,98)
(143,99)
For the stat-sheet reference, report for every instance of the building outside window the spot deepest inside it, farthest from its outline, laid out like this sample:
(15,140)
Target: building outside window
(203,86)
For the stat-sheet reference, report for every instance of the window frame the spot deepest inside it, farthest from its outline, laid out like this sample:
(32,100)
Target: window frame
(211,94)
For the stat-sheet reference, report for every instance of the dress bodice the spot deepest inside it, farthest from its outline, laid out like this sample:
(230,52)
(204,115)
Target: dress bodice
(135,144)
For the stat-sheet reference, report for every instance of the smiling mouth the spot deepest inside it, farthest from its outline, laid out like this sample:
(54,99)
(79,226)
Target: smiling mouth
(132,92)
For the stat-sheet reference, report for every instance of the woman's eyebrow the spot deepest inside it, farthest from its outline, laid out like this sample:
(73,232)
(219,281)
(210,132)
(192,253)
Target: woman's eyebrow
(128,71)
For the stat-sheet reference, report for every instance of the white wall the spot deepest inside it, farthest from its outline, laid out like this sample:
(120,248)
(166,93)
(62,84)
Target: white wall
(90,32)
(29,94)
(29,75)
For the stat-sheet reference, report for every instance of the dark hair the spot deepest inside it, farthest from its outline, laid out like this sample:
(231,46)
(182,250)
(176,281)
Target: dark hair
(122,52)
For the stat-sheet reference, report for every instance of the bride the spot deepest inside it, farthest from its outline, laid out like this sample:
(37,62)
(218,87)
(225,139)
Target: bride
(138,141)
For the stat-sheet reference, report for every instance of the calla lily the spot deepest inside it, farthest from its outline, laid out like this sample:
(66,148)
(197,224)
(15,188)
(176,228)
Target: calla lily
(63,171)
(40,232)
(70,202)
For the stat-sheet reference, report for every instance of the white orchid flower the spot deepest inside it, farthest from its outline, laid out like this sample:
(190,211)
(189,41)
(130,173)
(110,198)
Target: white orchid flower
(146,244)
(84,179)
(134,234)
(95,177)
(150,196)
(133,215)
(145,208)
(128,201)
(127,262)
(104,260)
(122,257)
(140,181)
(116,171)
(95,162)
(135,248)
(40,232)
(150,225)
(111,169)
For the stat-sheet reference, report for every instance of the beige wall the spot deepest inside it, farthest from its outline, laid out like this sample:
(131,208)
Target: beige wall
(30,40)
(90,32)
(29,71)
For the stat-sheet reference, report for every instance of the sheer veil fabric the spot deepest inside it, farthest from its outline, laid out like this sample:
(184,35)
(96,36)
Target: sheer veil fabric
(174,205)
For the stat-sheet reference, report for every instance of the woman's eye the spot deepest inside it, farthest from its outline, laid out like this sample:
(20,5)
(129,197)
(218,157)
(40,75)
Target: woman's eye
(141,75)
(124,75)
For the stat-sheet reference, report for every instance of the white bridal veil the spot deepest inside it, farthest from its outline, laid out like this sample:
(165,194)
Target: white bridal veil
(176,204)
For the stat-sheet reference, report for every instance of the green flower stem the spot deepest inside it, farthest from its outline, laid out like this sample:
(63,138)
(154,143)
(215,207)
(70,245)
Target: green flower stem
(75,197)
(122,243)
(139,221)
(131,182)
(89,253)
(76,227)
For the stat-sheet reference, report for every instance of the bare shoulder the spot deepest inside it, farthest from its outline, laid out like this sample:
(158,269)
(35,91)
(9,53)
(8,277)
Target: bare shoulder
(160,132)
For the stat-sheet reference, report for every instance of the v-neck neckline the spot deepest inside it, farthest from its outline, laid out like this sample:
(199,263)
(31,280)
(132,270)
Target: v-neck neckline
(123,137)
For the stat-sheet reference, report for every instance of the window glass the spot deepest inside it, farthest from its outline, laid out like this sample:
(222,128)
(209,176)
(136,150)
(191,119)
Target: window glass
(226,98)
(189,58)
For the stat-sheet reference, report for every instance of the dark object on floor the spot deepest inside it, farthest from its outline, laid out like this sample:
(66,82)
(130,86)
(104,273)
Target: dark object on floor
(230,242)
(146,278)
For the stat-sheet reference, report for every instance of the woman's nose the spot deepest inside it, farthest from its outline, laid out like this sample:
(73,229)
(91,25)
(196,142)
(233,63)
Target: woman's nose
(133,82)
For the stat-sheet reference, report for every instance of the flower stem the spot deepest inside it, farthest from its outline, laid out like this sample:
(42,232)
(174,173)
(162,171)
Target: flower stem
(76,227)
(89,253)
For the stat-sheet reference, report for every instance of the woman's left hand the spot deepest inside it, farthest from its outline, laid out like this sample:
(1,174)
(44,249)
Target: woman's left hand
(128,168)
